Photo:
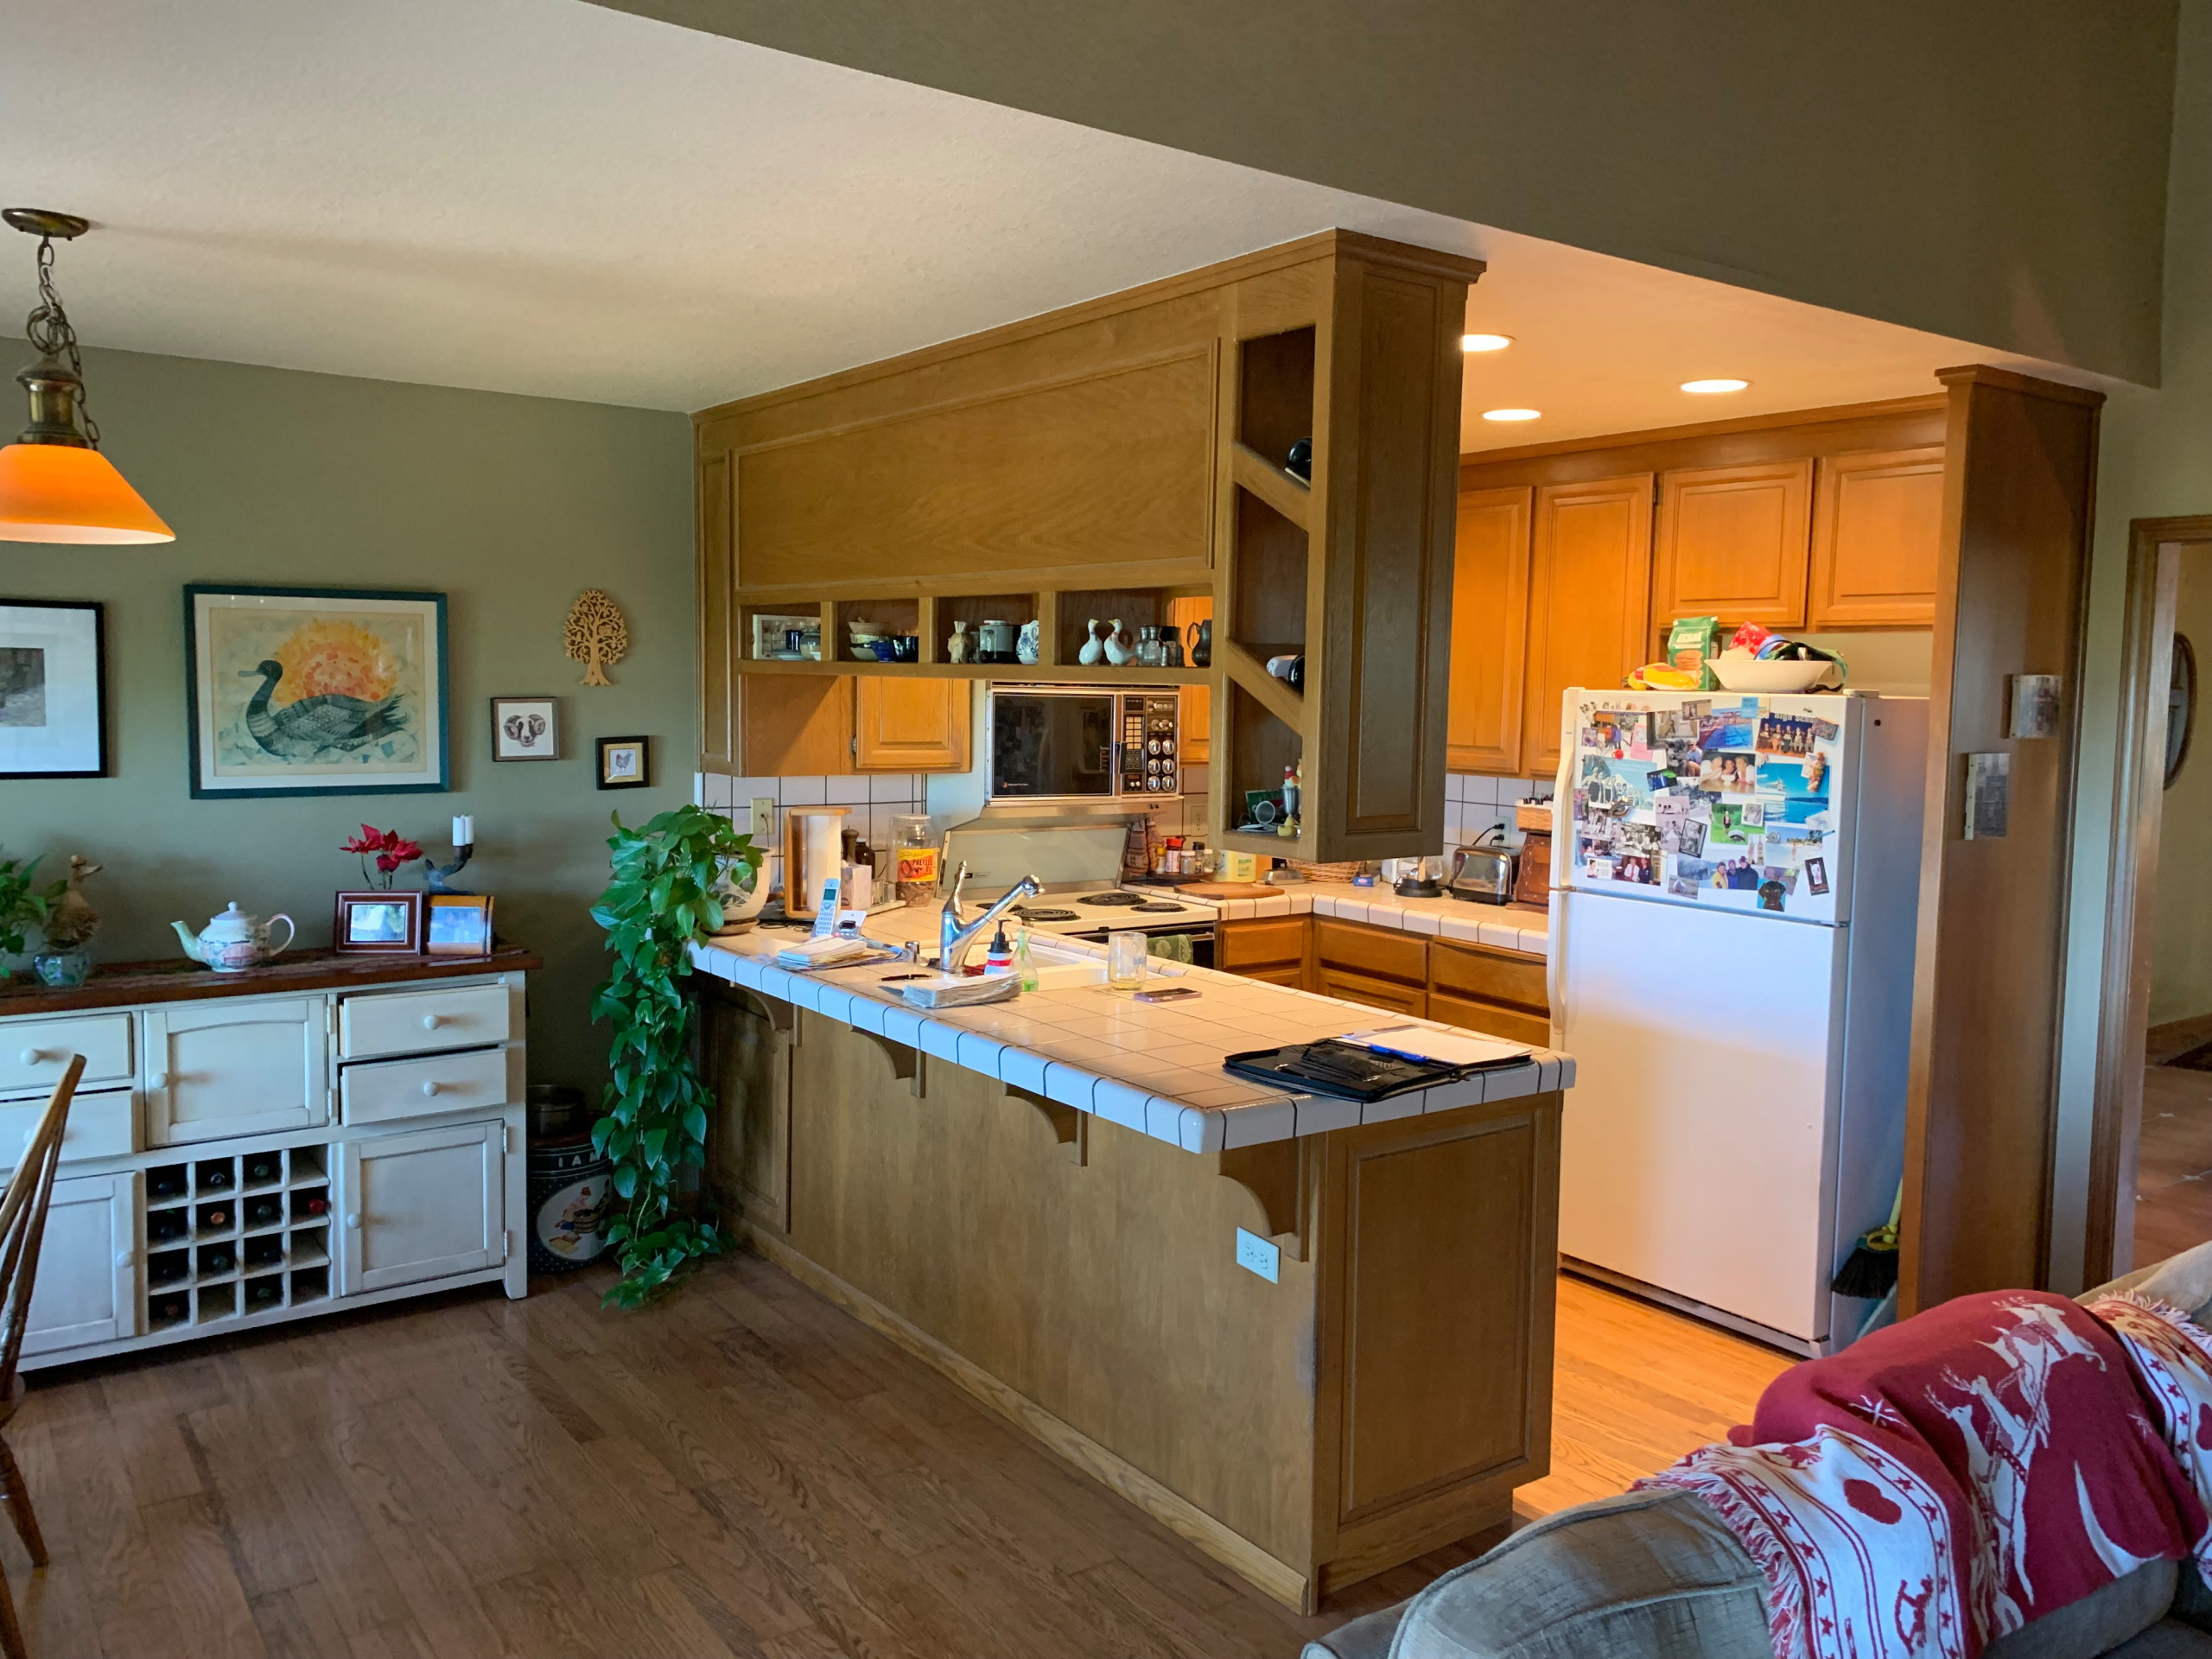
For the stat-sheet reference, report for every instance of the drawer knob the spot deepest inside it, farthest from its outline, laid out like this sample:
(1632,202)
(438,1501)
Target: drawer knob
(429,1089)
(31,1056)
(353,1220)
(432,1021)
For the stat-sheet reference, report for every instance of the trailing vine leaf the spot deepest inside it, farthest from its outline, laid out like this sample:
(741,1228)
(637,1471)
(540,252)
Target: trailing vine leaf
(653,1125)
(22,904)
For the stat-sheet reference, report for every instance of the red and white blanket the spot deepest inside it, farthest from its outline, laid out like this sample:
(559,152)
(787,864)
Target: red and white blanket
(1954,1477)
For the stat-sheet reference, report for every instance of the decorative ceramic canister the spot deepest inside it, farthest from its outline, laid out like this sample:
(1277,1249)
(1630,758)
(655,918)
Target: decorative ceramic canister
(1025,648)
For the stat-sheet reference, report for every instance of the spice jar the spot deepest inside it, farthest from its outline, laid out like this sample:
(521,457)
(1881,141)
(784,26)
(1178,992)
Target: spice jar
(914,856)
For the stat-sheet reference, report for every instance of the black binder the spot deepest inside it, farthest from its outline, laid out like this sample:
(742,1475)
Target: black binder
(1347,1070)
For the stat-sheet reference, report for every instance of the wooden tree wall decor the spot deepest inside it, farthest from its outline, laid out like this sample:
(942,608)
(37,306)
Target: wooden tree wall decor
(598,636)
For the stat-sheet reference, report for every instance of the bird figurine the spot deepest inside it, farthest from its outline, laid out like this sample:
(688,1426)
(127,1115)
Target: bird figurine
(1094,645)
(1121,649)
(70,924)
(313,726)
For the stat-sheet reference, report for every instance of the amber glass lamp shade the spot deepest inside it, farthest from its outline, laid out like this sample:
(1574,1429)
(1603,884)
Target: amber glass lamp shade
(64,493)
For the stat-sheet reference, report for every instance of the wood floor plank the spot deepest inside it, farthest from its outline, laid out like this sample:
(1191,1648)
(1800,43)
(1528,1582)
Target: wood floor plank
(746,1470)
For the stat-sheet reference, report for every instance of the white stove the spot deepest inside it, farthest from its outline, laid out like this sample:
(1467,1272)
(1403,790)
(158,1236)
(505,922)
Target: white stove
(1084,909)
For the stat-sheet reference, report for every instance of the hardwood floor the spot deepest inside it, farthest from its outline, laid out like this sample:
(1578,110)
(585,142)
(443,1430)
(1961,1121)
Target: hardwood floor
(746,1471)
(2173,1176)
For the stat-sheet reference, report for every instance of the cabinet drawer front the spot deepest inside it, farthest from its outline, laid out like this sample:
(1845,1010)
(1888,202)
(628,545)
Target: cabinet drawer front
(1488,976)
(409,1022)
(1514,1024)
(437,1083)
(1275,941)
(1371,950)
(34,1053)
(1292,974)
(101,1123)
(1374,993)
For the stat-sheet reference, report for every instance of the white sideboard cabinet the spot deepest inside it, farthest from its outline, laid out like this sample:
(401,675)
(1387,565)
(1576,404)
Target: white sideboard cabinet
(321,1132)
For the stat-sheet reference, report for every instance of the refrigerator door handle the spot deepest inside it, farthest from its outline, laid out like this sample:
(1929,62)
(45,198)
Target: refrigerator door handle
(1555,979)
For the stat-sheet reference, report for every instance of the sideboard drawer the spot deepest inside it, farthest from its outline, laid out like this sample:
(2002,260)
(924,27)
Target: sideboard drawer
(100,1125)
(409,1022)
(34,1053)
(437,1082)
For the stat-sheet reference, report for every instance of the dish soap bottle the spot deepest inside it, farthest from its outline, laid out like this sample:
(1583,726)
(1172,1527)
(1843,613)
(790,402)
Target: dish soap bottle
(1000,957)
(1025,964)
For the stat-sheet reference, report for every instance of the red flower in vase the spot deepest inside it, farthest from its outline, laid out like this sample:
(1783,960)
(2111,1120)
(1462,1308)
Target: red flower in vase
(390,848)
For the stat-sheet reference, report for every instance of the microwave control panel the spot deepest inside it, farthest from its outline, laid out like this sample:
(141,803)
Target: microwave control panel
(1150,730)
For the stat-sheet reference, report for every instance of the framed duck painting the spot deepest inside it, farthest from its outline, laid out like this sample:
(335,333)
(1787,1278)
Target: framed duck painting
(316,691)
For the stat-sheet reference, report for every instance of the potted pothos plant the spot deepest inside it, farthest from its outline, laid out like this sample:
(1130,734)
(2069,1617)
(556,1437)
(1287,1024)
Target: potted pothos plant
(24,903)
(669,874)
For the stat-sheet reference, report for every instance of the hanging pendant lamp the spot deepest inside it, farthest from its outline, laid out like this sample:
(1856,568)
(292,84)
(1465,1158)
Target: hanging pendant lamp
(55,484)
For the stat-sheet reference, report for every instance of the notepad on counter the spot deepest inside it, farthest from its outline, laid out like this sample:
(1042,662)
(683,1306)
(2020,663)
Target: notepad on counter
(827,951)
(961,990)
(1439,1047)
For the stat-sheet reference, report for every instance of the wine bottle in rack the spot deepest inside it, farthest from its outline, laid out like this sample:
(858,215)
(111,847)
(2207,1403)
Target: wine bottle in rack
(264,1252)
(263,1293)
(217,1258)
(164,1224)
(167,1269)
(172,1309)
(215,1218)
(214,1176)
(165,1184)
(314,1205)
(262,1168)
(262,1211)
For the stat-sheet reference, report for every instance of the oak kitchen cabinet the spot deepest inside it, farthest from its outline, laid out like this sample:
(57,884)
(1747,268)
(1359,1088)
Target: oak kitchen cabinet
(1572,559)
(794,726)
(1477,987)
(1589,592)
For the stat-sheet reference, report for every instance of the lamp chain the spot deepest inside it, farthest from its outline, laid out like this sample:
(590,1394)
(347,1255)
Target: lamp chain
(47,328)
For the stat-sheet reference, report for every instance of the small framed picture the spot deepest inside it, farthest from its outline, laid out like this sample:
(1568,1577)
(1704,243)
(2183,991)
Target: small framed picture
(369,923)
(526,728)
(52,689)
(623,762)
(459,925)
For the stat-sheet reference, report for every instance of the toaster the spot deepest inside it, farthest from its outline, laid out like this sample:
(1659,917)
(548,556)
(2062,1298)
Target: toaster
(1482,875)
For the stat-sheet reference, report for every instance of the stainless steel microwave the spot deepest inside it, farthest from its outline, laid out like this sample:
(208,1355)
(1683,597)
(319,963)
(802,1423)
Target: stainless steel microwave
(1080,743)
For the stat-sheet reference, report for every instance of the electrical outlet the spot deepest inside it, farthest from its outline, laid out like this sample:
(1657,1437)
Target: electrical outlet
(764,819)
(1256,1255)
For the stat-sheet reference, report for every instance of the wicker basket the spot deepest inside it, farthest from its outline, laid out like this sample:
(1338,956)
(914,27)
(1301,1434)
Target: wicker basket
(1340,872)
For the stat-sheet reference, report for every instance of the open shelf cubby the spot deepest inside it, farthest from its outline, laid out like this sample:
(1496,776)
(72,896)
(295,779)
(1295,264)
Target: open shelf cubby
(1133,607)
(236,1237)
(1268,603)
(1275,393)
(973,610)
(885,616)
(1260,747)
(767,629)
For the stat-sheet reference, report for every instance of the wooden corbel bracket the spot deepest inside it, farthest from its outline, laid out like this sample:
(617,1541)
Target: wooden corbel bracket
(907,1063)
(1279,1174)
(1071,1127)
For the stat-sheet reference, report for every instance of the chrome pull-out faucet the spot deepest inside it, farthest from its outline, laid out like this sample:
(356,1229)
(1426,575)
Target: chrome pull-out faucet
(953,939)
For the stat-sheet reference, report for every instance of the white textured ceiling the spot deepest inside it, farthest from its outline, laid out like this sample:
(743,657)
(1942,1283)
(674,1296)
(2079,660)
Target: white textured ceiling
(543,196)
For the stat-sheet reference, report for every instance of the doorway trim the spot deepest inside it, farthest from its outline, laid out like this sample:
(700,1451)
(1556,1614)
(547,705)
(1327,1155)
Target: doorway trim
(2154,552)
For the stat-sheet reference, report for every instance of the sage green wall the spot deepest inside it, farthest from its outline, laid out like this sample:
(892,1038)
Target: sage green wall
(1980,168)
(508,506)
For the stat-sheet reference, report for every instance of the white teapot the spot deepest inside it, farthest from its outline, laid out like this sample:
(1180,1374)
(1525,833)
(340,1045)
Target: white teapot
(234,940)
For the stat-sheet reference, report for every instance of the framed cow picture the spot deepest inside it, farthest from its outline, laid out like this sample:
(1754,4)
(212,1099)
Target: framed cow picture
(526,728)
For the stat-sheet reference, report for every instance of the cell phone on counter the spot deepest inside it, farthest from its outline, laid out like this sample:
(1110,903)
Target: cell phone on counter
(1167,994)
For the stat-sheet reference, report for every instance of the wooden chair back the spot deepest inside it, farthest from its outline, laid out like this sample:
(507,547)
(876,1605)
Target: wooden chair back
(22,1221)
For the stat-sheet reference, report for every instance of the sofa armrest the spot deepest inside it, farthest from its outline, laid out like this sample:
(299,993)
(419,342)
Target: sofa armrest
(1367,1637)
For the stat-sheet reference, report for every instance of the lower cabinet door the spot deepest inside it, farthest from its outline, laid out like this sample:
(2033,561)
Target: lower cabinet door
(248,1065)
(424,1205)
(87,1285)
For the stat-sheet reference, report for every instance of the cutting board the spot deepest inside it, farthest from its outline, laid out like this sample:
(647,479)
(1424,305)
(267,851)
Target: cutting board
(1226,890)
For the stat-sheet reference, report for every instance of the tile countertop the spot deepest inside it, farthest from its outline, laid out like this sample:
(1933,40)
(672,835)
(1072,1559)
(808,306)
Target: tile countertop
(1152,1067)
(1509,927)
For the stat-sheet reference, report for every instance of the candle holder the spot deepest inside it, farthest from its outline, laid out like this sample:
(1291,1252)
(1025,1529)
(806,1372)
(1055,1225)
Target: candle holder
(438,880)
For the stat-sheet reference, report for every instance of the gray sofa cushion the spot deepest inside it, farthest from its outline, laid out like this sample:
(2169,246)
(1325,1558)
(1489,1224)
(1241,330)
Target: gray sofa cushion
(2097,1623)
(2167,1639)
(1643,1574)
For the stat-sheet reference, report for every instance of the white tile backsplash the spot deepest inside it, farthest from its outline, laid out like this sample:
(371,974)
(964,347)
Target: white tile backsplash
(875,798)
(850,790)
(804,791)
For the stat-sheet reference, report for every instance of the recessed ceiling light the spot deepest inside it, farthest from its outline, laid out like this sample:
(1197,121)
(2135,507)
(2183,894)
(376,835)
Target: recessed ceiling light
(1513,414)
(1715,385)
(1484,342)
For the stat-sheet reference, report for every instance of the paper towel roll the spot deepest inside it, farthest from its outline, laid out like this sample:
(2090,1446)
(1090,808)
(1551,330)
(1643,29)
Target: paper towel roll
(820,853)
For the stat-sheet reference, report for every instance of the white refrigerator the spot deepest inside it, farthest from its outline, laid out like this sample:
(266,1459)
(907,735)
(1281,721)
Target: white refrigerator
(1735,886)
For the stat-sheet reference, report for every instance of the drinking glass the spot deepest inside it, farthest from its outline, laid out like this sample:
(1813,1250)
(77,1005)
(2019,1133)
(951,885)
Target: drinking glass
(1124,961)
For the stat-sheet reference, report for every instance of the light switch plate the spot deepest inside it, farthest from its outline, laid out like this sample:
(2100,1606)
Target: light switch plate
(764,819)
(1257,1255)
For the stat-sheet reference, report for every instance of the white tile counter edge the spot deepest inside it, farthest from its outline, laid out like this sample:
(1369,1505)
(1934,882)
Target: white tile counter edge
(967,1037)
(1441,918)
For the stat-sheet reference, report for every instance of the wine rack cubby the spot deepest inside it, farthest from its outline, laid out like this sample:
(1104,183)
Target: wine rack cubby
(232,1237)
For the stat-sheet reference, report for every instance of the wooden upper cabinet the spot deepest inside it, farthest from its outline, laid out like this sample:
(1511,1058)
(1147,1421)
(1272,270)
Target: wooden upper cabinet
(1878,517)
(1197,699)
(1733,543)
(1490,631)
(1589,587)
(911,725)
